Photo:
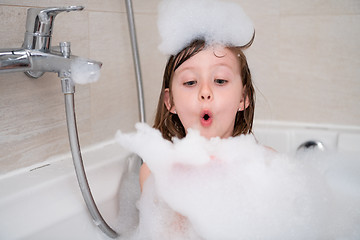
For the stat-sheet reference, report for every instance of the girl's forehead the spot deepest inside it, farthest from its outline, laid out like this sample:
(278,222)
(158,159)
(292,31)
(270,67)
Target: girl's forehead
(211,56)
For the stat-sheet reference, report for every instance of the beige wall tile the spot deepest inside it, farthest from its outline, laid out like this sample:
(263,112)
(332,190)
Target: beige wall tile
(319,71)
(73,27)
(12,30)
(32,118)
(152,62)
(114,99)
(319,7)
(262,59)
(146,6)
(259,8)
(105,5)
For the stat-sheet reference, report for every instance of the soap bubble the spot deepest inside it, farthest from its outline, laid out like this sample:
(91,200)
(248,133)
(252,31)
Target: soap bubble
(83,71)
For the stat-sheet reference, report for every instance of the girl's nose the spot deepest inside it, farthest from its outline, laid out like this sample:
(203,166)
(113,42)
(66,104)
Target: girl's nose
(205,94)
(205,97)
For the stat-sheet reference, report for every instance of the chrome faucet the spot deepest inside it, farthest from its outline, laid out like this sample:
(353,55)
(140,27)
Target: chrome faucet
(36,56)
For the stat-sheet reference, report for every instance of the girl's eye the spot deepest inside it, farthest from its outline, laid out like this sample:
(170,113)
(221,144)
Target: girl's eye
(190,83)
(220,81)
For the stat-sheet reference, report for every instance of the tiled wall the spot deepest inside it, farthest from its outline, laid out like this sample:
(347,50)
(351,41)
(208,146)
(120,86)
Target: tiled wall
(306,60)
(305,63)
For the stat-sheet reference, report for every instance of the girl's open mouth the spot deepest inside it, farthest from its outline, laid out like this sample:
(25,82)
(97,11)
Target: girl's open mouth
(206,118)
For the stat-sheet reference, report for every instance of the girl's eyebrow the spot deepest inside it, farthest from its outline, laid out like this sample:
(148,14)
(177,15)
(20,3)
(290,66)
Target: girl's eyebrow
(229,67)
(190,68)
(185,69)
(223,65)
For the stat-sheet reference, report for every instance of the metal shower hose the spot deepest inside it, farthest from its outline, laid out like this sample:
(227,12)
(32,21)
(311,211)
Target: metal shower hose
(68,90)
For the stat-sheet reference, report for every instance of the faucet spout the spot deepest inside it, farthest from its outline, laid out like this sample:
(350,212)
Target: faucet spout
(35,61)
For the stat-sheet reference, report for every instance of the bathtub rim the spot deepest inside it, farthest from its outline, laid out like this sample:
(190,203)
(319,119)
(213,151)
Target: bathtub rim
(305,125)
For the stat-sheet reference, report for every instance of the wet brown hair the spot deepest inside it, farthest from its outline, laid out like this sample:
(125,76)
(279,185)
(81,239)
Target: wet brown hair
(170,125)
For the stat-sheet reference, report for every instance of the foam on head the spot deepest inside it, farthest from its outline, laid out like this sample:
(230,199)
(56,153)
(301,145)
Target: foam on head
(181,21)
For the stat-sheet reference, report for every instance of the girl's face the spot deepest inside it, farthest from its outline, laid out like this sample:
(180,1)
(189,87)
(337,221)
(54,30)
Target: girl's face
(207,92)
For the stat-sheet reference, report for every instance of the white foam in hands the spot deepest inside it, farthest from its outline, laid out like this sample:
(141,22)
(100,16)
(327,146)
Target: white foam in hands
(181,21)
(236,189)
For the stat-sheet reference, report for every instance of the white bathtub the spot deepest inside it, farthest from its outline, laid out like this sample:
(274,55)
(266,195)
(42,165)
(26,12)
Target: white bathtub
(286,137)
(44,201)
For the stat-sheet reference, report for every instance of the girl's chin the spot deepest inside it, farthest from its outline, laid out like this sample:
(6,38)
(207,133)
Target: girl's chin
(208,133)
(203,132)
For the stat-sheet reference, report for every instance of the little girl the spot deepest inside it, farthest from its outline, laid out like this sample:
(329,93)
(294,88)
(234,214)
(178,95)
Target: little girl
(213,183)
(207,84)
(208,88)
(217,185)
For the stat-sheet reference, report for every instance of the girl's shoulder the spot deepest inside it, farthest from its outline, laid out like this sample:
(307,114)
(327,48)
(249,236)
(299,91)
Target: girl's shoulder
(270,149)
(144,174)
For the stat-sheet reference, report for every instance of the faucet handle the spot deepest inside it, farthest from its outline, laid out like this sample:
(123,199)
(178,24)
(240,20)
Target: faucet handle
(39,24)
(55,10)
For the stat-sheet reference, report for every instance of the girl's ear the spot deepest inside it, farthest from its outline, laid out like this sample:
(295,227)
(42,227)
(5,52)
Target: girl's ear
(244,102)
(167,101)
